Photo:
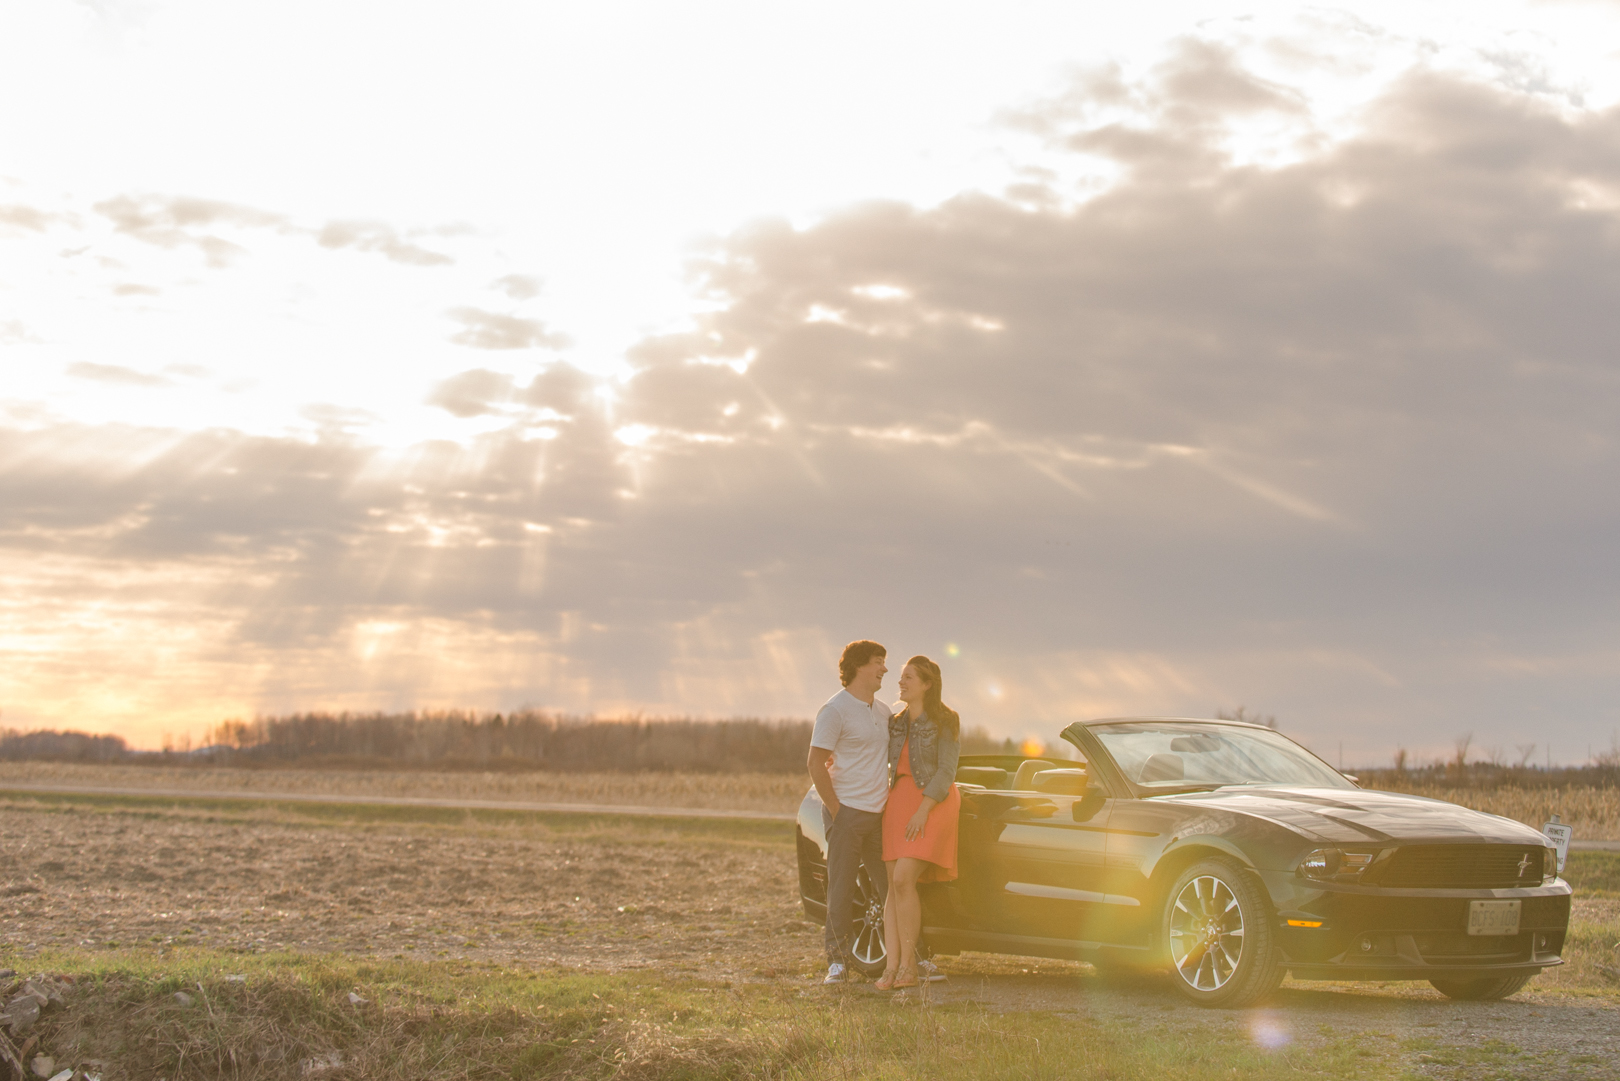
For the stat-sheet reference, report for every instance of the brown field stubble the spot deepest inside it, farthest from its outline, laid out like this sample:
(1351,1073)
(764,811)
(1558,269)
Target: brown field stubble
(1593,812)
(775,793)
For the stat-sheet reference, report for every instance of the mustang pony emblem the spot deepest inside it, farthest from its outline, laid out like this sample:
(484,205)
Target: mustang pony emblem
(1524,863)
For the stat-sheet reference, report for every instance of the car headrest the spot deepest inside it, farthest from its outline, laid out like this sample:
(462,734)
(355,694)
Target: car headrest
(1024,779)
(1162,767)
(988,776)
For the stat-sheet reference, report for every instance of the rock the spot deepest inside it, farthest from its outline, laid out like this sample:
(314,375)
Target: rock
(32,990)
(64,1075)
(184,999)
(313,1067)
(21,1013)
(43,1065)
(7,973)
(236,979)
(356,1000)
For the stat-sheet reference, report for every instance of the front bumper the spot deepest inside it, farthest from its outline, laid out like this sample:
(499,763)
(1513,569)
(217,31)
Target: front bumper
(1370,933)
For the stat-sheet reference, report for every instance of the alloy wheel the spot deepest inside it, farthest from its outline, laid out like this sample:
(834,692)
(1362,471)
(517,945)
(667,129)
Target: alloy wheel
(1206,933)
(868,947)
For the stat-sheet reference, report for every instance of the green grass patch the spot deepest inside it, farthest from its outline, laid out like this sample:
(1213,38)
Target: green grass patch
(1593,874)
(313,814)
(291,1015)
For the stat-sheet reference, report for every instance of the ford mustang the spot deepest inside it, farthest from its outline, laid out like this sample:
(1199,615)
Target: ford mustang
(1231,856)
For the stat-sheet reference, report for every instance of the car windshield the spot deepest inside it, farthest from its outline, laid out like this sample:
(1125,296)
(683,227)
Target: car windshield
(1189,754)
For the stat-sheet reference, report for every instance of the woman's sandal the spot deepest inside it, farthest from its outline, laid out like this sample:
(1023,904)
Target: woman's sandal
(903,978)
(885,982)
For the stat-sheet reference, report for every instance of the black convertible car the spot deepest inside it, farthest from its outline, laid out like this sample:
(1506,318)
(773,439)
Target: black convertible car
(1229,855)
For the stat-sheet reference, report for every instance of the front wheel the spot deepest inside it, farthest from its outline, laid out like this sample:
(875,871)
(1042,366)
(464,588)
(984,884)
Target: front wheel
(1482,990)
(866,947)
(1219,928)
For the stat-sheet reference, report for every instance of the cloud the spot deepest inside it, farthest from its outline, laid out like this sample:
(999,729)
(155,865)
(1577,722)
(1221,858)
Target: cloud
(472,393)
(172,221)
(16,332)
(24,217)
(1331,438)
(494,330)
(115,373)
(559,389)
(381,238)
(518,286)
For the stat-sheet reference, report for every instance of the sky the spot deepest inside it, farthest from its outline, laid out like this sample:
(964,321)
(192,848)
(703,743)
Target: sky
(635,357)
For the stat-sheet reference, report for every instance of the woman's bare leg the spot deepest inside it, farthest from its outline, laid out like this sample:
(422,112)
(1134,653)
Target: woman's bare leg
(891,929)
(907,909)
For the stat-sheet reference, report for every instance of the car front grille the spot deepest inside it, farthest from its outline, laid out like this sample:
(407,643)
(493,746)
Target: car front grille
(1461,867)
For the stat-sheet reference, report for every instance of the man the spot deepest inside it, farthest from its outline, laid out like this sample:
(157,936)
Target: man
(849,763)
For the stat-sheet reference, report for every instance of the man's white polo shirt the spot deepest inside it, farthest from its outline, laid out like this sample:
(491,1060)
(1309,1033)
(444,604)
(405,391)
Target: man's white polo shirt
(857,734)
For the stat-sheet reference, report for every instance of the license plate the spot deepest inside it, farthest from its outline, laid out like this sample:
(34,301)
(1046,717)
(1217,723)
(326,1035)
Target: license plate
(1493,917)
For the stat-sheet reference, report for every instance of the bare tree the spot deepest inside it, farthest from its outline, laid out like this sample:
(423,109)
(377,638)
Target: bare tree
(1400,760)
(1525,751)
(1463,742)
(1241,714)
(1496,756)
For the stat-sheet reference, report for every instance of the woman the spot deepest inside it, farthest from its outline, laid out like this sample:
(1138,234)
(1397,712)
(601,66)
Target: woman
(919,820)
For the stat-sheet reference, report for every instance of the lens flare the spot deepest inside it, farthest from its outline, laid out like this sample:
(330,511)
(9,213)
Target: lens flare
(1033,748)
(1269,1032)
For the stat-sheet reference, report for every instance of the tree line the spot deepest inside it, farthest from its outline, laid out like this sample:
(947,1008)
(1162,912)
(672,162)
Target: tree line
(522,740)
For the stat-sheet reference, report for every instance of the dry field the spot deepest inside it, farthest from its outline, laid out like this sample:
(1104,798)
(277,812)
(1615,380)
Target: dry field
(1593,812)
(114,880)
(774,793)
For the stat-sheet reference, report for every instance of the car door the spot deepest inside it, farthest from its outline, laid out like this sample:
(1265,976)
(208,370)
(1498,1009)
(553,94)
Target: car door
(1038,861)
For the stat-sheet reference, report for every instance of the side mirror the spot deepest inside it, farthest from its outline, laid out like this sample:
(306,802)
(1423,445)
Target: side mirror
(1061,782)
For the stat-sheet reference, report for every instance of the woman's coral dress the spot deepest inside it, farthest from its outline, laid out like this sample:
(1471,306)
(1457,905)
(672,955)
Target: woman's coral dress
(937,844)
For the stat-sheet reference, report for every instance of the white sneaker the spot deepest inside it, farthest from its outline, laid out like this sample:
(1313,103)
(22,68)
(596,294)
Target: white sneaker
(928,972)
(836,973)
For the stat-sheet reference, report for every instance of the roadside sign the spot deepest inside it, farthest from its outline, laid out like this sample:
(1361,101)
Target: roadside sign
(1559,835)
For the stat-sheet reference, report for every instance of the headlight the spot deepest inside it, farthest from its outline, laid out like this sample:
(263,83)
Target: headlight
(1549,865)
(1335,865)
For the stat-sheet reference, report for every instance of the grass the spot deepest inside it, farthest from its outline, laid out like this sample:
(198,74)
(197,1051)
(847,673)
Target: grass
(1593,874)
(291,1015)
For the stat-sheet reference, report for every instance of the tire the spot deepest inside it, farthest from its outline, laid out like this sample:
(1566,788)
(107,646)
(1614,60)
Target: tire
(1488,989)
(867,949)
(1221,936)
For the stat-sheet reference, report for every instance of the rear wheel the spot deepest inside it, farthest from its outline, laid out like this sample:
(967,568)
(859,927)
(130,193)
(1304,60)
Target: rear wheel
(1483,990)
(1220,931)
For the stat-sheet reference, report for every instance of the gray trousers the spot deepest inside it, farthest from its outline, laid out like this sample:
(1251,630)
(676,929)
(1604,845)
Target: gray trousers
(853,838)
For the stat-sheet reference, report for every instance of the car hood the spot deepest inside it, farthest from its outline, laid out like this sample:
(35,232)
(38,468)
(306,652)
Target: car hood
(1362,816)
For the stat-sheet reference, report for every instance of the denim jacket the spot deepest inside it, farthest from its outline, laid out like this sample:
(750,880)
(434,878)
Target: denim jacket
(933,755)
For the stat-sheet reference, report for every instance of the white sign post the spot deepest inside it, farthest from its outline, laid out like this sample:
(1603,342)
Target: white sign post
(1559,834)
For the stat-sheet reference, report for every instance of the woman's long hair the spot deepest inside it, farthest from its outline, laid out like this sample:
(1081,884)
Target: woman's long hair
(946,718)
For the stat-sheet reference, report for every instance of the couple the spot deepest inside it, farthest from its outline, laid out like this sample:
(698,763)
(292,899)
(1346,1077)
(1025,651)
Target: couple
(889,801)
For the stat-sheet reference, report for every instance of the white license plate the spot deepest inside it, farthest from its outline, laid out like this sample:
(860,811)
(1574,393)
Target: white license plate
(1493,917)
